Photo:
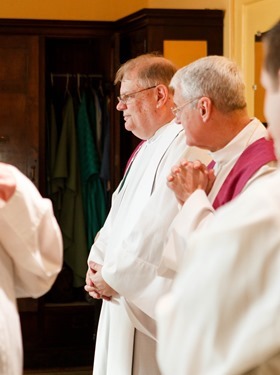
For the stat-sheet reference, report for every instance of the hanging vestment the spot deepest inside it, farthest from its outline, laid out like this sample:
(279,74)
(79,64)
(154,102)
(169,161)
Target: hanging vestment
(95,103)
(67,197)
(105,161)
(92,187)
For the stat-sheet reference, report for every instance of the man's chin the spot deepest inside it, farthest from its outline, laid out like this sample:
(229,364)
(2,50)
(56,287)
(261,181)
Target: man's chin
(128,126)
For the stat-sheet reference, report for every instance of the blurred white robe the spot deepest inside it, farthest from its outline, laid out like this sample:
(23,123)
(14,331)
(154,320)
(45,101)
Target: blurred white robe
(31,257)
(222,316)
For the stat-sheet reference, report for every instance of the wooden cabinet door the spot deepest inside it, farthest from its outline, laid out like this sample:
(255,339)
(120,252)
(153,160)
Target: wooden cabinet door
(19,98)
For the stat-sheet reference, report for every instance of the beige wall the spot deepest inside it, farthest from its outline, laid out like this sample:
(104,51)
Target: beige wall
(94,9)
(243,18)
(250,17)
(59,9)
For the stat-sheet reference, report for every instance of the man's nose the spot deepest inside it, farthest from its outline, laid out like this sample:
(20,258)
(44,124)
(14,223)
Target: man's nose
(120,106)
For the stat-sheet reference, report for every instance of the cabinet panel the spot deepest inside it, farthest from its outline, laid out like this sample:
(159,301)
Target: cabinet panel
(60,335)
(19,117)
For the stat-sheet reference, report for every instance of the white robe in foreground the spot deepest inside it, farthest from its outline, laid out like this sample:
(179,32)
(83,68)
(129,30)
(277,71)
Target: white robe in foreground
(198,211)
(222,316)
(130,248)
(30,259)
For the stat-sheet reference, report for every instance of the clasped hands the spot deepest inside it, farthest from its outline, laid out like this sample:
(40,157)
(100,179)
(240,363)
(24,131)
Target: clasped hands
(95,284)
(187,177)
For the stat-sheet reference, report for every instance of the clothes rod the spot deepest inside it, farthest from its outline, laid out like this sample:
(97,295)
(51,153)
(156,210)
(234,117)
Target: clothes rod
(82,75)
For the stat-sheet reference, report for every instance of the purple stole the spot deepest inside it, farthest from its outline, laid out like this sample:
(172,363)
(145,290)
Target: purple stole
(129,163)
(250,161)
(132,156)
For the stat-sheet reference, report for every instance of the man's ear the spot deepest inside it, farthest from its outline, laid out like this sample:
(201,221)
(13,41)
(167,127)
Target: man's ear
(204,107)
(162,95)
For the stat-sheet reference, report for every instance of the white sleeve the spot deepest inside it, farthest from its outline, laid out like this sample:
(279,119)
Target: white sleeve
(222,315)
(194,214)
(30,235)
(133,274)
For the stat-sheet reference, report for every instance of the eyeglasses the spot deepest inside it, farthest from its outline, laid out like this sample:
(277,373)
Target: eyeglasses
(126,97)
(177,110)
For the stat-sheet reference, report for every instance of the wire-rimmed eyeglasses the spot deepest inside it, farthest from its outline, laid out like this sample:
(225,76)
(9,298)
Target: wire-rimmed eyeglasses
(126,97)
(177,110)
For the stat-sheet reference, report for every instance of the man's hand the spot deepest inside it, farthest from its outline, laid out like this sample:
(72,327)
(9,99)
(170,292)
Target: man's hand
(90,287)
(187,177)
(96,285)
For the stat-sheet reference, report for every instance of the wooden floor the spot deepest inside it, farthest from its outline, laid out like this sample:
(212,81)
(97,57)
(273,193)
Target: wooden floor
(61,371)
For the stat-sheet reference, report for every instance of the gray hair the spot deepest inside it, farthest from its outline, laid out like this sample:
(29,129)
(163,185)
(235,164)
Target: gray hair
(150,69)
(215,77)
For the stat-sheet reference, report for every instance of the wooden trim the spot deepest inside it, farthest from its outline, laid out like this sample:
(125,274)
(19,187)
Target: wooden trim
(49,28)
